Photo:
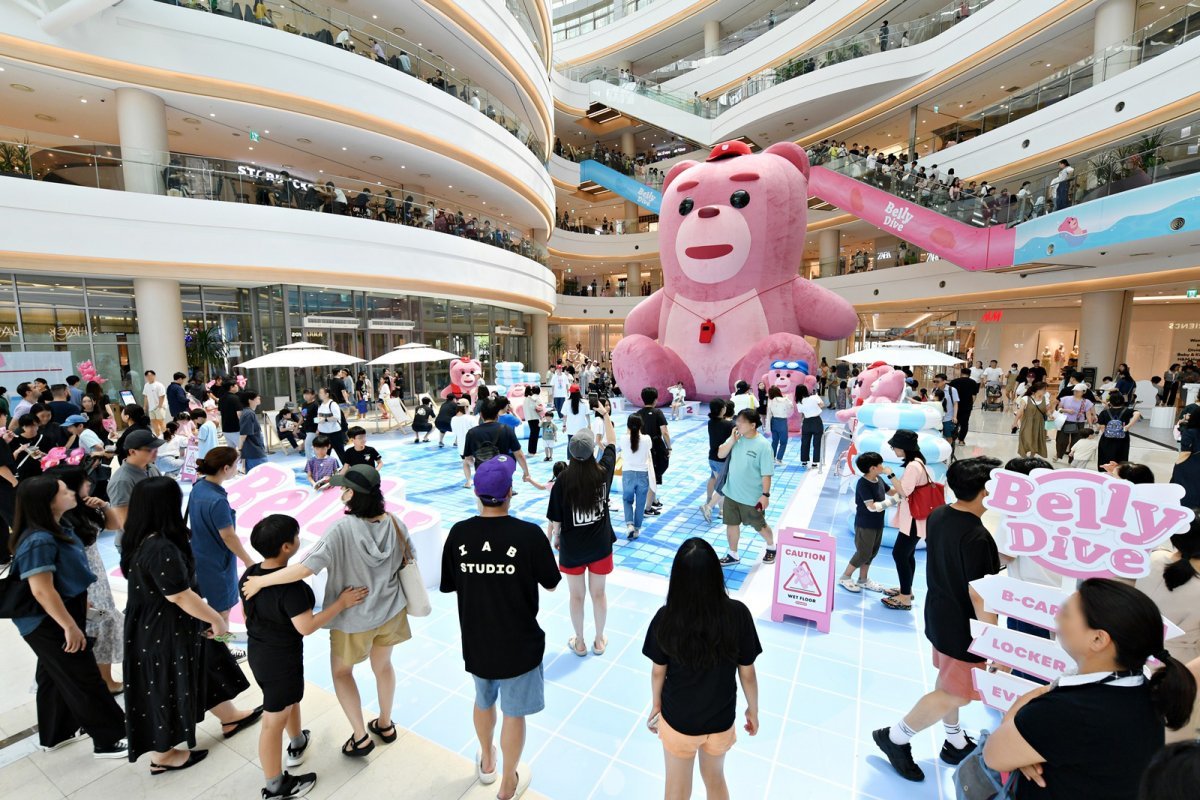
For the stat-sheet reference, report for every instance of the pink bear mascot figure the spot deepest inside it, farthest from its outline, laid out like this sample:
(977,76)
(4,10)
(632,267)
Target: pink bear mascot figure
(731,234)
(879,383)
(465,376)
(787,375)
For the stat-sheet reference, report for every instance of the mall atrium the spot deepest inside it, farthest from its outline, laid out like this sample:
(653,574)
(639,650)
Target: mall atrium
(614,195)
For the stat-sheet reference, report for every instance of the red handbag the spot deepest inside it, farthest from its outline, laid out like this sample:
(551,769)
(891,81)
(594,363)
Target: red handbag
(926,497)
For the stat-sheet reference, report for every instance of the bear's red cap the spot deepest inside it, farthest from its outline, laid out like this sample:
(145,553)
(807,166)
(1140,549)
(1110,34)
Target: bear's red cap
(878,364)
(728,150)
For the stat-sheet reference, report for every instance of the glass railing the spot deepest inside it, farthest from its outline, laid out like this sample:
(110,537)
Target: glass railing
(640,166)
(837,51)
(520,13)
(598,18)
(727,44)
(201,178)
(1150,157)
(374,41)
(1155,39)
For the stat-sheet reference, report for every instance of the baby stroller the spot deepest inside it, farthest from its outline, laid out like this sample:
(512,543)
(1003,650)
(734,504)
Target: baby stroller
(993,399)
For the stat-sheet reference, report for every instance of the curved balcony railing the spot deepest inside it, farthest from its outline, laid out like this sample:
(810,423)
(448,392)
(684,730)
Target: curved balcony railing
(846,48)
(521,14)
(1152,156)
(372,40)
(640,166)
(201,178)
(598,18)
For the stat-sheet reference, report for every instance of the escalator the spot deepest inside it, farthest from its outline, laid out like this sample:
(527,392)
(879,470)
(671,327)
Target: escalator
(595,177)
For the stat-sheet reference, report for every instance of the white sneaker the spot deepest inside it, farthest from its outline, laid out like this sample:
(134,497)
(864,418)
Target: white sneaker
(849,585)
(629,530)
(706,512)
(873,586)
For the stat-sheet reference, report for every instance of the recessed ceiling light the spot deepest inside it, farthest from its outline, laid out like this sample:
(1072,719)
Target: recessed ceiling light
(191,120)
(77,136)
(377,158)
(212,115)
(302,140)
(20,87)
(424,175)
(45,118)
(403,167)
(251,148)
(266,131)
(83,99)
(174,133)
(450,187)
(343,148)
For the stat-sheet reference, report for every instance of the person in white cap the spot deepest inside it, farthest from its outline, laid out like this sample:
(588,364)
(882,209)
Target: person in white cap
(1080,413)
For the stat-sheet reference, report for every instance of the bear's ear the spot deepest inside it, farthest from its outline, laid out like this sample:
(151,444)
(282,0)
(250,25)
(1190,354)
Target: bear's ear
(677,170)
(793,153)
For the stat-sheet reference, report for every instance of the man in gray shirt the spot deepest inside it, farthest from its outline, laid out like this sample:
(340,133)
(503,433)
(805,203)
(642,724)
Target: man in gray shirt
(142,447)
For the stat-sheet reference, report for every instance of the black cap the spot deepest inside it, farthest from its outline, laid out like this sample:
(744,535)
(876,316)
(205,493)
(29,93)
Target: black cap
(142,440)
(905,440)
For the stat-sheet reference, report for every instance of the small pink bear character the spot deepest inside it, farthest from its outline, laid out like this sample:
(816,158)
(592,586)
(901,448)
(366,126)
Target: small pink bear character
(465,376)
(731,233)
(879,383)
(787,374)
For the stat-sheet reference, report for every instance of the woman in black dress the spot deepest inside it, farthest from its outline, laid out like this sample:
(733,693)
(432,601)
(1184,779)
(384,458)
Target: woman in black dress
(174,669)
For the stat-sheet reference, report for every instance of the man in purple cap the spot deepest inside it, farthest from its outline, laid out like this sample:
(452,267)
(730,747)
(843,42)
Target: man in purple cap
(495,562)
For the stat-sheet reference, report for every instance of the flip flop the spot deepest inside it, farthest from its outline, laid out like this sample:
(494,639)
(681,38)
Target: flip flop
(603,646)
(895,604)
(571,644)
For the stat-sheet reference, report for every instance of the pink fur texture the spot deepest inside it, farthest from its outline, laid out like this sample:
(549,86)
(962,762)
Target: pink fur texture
(465,377)
(731,234)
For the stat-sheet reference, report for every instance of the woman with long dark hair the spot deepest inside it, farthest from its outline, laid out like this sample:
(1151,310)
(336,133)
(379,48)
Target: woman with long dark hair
(904,444)
(174,667)
(812,429)
(581,529)
(1093,734)
(699,641)
(1115,422)
(635,475)
(71,695)
(577,414)
(367,547)
(532,418)
(105,622)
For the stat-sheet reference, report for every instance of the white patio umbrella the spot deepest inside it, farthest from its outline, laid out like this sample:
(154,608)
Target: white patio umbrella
(301,355)
(901,343)
(412,353)
(902,357)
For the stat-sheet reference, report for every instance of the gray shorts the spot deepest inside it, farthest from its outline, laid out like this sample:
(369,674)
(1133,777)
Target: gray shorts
(519,696)
(735,513)
(866,545)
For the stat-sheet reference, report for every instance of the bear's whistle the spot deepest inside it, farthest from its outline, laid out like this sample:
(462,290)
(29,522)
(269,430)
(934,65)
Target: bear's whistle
(707,329)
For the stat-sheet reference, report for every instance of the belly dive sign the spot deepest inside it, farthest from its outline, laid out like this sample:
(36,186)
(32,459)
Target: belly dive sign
(1085,524)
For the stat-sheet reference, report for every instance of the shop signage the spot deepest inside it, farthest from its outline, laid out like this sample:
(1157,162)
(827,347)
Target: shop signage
(1029,654)
(804,576)
(896,217)
(9,332)
(331,322)
(1085,524)
(992,316)
(273,177)
(391,324)
(1191,293)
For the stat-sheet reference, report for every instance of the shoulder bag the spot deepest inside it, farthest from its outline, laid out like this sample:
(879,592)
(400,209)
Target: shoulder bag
(926,497)
(16,598)
(975,780)
(416,596)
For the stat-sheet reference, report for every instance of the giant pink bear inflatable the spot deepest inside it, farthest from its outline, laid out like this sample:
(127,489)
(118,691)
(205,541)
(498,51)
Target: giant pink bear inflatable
(731,234)
(879,383)
(465,377)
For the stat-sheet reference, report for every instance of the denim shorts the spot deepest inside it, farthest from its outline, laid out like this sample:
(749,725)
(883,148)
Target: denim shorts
(519,696)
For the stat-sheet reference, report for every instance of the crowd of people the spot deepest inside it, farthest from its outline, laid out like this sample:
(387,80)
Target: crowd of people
(186,569)
(596,289)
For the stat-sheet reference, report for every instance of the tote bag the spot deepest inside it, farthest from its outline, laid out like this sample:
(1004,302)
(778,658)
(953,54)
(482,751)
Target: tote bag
(416,596)
(926,497)
(975,780)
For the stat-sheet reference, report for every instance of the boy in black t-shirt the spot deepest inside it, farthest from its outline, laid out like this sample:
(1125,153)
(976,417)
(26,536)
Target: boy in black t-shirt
(654,423)
(495,563)
(359,452)
(872,497)
(277,620)
(958,550)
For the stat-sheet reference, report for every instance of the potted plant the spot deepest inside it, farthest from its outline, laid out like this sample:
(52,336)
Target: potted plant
(557,345)
(205,348)
(15,159)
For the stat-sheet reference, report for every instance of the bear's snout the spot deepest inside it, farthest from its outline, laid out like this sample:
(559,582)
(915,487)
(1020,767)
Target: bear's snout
(709,211)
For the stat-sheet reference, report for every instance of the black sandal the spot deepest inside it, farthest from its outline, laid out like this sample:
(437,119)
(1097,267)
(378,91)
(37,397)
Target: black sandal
(358,749)
(241,724)
(388,738)
(194,758)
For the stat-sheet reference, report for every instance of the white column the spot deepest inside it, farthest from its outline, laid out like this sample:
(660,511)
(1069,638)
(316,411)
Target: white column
(829,243)
(712,37)
(625,64)
(631,217)
(633,280)
(628,145)
(160,325)
(541,343)
(142,126)
(1104,321)
(1113,23)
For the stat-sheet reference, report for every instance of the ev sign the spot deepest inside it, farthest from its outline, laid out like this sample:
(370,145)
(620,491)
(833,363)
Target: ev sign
(804,577)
